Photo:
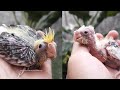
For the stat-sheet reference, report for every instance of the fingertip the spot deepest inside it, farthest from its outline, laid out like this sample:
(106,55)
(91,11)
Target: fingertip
(52,45)
(99,35)
(113,33)
(52,52)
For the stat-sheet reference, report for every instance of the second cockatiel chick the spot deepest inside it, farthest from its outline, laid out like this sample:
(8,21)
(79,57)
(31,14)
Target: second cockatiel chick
(106,50)
(21,45)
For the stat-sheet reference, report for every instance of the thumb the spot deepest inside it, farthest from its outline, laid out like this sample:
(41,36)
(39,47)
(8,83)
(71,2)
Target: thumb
(46,66)
(77,48)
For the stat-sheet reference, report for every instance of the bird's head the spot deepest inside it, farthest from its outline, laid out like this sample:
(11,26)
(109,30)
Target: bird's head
(48,37)
(87,34)
(42,46)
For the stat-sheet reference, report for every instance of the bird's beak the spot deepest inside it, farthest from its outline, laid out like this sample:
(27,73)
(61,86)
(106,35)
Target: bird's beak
(49,36)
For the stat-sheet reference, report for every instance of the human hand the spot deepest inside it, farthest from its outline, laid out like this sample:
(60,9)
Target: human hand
(8,71)
(82,65)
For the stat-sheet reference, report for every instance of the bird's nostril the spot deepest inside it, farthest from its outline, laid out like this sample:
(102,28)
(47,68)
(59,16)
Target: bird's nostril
(85,32)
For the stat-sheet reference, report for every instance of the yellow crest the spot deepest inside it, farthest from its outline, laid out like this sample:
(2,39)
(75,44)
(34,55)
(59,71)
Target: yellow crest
(49,36)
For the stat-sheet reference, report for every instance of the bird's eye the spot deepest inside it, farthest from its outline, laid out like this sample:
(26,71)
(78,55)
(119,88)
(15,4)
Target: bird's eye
(85,32)
(12,34)
(40,45)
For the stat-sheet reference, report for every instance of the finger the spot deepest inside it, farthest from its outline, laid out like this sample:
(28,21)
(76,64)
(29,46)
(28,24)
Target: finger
(112,33)
(8,68)
(45,72)
(51,50)
(52,47)
(46,66)
(5,66)
(99,36)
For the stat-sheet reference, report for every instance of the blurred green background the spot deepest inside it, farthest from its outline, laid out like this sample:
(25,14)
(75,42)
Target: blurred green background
(39,20)
(103,22)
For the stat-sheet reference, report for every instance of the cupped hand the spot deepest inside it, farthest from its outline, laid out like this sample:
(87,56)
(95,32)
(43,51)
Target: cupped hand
(82,65)
(8,71)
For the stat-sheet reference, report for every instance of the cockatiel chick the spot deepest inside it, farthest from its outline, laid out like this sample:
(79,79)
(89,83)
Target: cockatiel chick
(106,50)
(21,45)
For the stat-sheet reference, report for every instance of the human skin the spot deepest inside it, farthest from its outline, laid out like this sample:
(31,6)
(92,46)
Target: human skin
(8,71)
(82,65)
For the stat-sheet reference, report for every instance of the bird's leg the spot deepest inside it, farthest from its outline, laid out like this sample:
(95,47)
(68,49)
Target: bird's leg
(21,72)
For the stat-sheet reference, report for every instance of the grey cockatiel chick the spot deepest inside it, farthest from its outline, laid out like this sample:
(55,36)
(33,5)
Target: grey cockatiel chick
(21,45)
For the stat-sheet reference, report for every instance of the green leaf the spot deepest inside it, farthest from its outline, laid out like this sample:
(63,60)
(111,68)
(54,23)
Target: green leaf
(81,14)
(36,15)
(112,13)
(51,18)
(105,14)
